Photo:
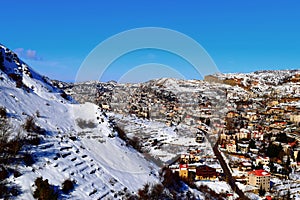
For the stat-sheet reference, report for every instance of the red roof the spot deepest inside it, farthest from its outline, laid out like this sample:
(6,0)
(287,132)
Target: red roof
(260,172)
(183,166)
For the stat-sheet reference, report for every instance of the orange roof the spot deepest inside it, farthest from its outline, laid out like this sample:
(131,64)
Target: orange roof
(260,172)
(260,157)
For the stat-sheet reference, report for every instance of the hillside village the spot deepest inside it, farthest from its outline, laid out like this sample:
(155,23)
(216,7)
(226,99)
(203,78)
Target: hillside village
(252,120)
(228,136)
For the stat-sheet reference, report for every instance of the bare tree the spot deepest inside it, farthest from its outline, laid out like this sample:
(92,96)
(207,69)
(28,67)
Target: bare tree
(5,131)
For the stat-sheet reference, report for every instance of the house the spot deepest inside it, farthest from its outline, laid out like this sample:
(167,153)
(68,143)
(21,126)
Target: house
(185,158)
(105,106)
(245,166)
(262,160)
(257,135)
(183,171)
(231,148)
(243,147)
(260,179)
(295,118)
(205,172)
(199,138)
(232,114)
(254,151)
(243,134)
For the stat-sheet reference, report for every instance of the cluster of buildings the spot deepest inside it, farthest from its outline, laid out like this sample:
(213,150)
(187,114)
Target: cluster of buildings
(255,117)
(196,166)
(261,133)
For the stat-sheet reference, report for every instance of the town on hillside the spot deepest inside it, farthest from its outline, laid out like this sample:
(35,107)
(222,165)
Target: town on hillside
(237,131)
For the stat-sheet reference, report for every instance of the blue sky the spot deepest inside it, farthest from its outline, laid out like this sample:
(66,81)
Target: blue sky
(55,36)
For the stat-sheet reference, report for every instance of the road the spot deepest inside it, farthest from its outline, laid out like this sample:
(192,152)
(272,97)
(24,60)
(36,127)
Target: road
(230,180)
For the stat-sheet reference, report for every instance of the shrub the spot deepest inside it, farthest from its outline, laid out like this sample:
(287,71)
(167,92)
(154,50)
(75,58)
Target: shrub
(68,186)
(9,148)
(28,159)
(3,173)
(8,191)
(3,113)
(156,191)
(261,191)
(5,131)
(17,78)
(37,113)
(64,95)
(29,124)
(34,140)
(44,191)
(85,124)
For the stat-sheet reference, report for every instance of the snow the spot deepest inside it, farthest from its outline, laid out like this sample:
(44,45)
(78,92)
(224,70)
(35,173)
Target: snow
(107,158)
(217,186)
(171,142)
(100,165)
(103,166)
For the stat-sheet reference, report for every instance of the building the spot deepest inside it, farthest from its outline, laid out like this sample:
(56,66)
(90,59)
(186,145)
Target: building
(205,172)
(183,171)
(199,138)
(295,118)
(245,166)
(243,134)
(260,179)
(244,148)
(185,158)
(231,148)
(263,160)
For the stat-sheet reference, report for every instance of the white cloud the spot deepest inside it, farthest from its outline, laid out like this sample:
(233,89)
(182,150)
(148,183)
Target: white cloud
(28,54)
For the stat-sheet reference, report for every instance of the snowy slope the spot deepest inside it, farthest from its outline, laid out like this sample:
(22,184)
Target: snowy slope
(102,167)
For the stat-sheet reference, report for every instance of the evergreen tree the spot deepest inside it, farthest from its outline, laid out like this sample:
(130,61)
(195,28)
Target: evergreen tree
(261,191)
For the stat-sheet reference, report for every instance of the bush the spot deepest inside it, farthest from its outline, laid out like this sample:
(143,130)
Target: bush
(83,124)
(34,140)
(3,173)
(44,191)
(28,159)
(156,191)
(3,113)
(29,124)
(9,148)
(68,186)
(37,113)
(5,131)
(261,191)
(64,95)
(8,191)
(18,79)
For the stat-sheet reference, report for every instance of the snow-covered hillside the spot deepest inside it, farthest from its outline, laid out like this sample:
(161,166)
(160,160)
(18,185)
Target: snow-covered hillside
(76,145)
